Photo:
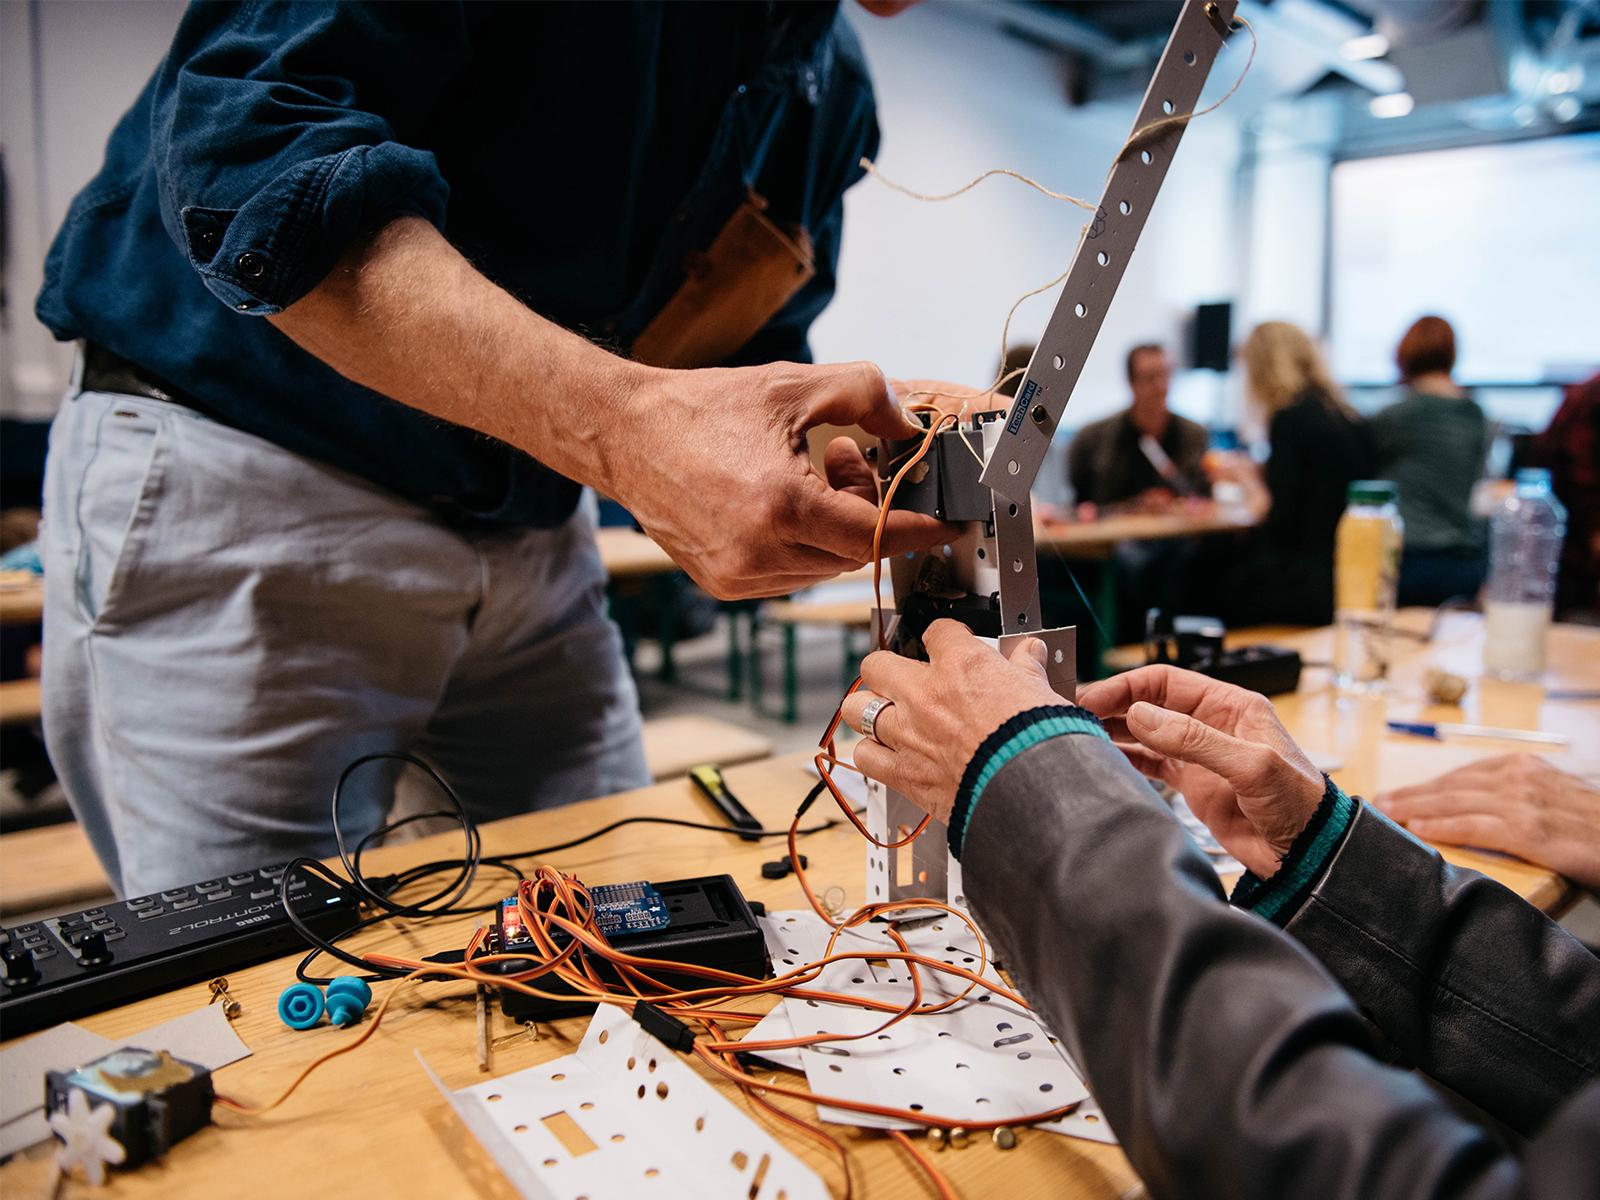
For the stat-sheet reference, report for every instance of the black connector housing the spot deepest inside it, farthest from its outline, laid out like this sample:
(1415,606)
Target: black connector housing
(665,1028)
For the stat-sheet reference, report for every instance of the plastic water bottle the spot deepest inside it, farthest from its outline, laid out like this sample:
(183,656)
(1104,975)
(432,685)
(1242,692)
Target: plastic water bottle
(1366,569)
(1525,537)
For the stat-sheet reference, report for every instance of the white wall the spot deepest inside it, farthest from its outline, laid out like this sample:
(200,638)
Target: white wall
(924,288)
(68,70)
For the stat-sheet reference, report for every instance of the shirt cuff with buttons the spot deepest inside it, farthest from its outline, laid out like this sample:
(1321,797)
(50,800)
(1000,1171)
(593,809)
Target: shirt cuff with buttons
(282,241)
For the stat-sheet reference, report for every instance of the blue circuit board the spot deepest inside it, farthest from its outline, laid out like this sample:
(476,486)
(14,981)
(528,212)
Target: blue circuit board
(629,908)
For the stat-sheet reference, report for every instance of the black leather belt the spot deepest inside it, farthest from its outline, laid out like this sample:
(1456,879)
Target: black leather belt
(104,371)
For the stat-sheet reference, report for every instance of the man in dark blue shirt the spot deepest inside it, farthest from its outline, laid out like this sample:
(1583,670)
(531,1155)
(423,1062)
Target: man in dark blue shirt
(502,252)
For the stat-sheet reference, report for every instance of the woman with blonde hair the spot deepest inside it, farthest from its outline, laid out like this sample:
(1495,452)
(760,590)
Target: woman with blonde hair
(1318,446)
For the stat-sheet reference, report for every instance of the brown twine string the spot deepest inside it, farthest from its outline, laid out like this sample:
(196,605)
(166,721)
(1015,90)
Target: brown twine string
(1138,139)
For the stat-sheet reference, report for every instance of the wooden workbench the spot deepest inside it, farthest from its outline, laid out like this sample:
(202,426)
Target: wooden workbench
(372,1122)
(629,554)
(21,598)
(1095,539)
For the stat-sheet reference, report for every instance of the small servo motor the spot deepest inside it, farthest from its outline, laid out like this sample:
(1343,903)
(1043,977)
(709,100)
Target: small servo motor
(156,1101)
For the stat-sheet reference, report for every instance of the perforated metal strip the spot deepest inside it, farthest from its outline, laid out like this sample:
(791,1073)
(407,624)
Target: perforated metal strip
(1102,255)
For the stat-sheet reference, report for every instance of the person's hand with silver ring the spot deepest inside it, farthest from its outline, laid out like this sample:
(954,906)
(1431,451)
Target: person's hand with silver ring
(869,716)
(928,719)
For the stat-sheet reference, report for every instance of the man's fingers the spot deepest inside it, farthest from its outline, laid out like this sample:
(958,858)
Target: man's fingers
(892,675)
(848,470)
(906,531)
(858,394)
(725,587)
(842,523)
(1245,765)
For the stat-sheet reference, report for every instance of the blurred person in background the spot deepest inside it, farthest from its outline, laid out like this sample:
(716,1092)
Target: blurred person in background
(1318,445)
(1144,454)
(1570,448)
(1148,458)
(1432,444)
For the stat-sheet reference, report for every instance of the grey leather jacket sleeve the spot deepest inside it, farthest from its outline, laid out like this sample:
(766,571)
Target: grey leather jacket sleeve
(1227,1059)
(1470,984)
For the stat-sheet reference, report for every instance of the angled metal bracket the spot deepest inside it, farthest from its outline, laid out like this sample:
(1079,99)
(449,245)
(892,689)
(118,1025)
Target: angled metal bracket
(1105,248)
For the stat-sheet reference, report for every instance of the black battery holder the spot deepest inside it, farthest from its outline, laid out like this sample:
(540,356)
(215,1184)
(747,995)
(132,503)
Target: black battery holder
(711,925)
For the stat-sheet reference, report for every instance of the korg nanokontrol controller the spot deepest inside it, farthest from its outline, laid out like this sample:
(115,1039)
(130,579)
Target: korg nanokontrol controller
(63,967)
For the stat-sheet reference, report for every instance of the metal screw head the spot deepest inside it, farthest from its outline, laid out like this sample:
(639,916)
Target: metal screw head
(958,1138)
(936,1138)
(1004,1137)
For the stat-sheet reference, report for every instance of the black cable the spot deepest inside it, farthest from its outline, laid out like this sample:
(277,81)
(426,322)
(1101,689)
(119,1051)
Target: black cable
(445,902)
(358,888)
(706,825)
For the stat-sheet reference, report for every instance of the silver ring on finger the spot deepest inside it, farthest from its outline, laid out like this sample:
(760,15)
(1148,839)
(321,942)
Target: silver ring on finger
(870,715)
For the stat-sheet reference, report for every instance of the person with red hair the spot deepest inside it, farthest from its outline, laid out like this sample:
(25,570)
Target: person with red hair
(1432,443)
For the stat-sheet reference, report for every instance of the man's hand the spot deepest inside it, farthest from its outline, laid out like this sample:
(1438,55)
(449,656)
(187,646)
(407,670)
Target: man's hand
(1223,747)
(712,463)
(942,710)
(715,467)
(1516,803)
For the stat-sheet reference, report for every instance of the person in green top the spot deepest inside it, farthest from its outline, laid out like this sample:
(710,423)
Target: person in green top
(1432,444)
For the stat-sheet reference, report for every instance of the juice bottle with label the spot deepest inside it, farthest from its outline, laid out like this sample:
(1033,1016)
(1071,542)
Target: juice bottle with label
(1366,570)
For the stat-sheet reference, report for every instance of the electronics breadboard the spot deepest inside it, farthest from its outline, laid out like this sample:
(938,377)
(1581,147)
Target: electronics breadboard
(83,962)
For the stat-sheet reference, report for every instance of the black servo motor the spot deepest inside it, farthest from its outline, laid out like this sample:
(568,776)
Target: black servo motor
(156,1100)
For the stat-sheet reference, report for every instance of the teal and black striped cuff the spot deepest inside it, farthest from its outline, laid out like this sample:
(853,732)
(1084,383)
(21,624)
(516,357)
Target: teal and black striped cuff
(1279,898)
(1000,747)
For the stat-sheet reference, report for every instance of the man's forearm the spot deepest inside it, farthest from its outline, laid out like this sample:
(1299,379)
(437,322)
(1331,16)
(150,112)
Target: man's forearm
(405,314)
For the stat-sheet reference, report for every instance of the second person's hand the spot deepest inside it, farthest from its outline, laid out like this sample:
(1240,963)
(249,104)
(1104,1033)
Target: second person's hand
(1223,747)
(940,711)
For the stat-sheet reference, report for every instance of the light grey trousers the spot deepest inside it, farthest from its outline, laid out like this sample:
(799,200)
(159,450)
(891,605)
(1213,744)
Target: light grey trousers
(228,624)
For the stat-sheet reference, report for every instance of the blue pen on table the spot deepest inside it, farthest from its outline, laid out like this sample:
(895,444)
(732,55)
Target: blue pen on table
(1443,729)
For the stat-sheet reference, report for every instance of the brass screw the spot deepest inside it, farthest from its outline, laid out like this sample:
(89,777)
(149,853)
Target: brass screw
(958,1138)
(231,1008)
(936,1138)
(1004,1137)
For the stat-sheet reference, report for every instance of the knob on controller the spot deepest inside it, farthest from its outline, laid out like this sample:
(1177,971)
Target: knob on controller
(17,967)
(92,949)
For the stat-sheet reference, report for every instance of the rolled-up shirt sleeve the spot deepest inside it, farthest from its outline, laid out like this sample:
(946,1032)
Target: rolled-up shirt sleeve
(280,136)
